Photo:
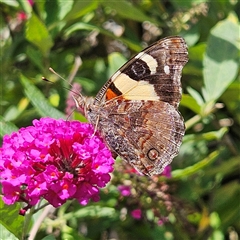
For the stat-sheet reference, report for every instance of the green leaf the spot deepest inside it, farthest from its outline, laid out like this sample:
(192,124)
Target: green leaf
(194,66)
(13,3)
(231,99)
(116,60)
(196,96)
(85,26)
(39,101)
(10,213)
(226,168)
(6,127)
(36,57)
(127,10)
(87,84)
(217,235)
(208,136)
(49,237)
(26,6)
(14,111)
(64,7)
(221,58)
(56,10)
(81,8)
(5,234)
(11,113)
(52,9)
(215,221)
(71,233)
(189,102)
(94,211)
(37,33)
(191,35)
(227,207)
(178,174)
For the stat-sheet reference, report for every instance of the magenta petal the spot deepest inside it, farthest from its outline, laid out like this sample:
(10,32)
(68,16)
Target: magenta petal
(11,193)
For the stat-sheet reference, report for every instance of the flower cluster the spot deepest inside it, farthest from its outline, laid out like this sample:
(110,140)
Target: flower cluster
(56,160)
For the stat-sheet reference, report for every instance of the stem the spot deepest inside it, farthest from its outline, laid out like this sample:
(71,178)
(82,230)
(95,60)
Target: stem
(188,171)
(39,221)
(41,207)
(77,64)
(26,224)
(192,121)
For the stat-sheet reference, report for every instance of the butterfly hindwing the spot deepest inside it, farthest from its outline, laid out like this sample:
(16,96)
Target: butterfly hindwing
(147,134)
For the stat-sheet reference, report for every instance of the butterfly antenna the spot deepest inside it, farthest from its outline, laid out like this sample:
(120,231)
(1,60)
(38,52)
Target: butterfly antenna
(78,99)
(76,66)
(47,80)
(51,70)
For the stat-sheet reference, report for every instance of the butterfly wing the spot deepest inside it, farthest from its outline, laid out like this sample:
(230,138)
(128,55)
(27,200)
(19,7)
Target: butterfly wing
(136,110)
(158,131)
(153,74)
(146,134)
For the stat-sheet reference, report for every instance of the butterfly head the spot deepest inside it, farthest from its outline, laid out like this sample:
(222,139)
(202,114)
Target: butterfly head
(83,103)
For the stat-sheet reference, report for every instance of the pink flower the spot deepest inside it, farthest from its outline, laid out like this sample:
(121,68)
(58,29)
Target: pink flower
(167,172)
(124,190)
(56,160)
(161,221)
(137,214)
(21,16)
(31,2)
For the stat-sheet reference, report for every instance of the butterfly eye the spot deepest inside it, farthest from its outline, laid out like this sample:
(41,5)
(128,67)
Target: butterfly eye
(153,154)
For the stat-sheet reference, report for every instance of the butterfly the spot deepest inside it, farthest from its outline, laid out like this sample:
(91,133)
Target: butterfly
(136,111)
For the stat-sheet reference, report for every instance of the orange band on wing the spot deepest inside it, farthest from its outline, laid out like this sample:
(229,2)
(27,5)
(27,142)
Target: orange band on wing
(110,94)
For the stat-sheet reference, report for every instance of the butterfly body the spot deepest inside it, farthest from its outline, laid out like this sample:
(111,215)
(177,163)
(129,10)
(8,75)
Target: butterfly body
(136,111)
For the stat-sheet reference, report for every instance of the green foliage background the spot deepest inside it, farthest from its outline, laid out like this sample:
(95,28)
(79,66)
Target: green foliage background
(205,175)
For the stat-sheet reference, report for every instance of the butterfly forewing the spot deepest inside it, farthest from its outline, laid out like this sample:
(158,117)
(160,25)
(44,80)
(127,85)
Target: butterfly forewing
(153,74)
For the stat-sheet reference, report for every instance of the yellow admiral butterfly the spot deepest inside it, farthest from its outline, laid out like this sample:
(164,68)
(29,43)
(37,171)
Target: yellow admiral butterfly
(136,111)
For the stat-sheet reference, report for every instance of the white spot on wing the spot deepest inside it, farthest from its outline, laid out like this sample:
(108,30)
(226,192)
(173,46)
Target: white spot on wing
(166,69)
(149,60)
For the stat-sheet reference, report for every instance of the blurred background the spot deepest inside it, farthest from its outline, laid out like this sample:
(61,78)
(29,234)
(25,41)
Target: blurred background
(85,42)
